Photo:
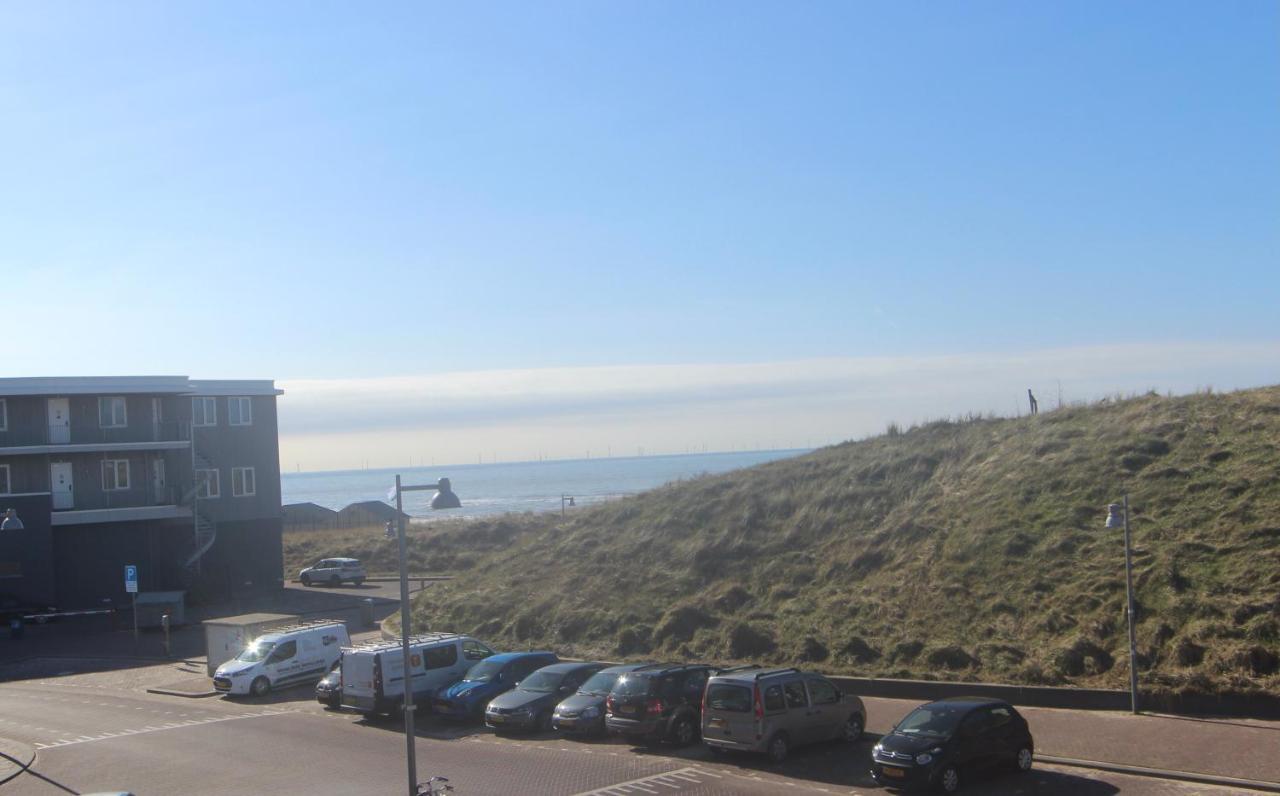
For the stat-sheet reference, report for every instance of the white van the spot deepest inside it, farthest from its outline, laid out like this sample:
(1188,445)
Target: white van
(285,656)
(373,673)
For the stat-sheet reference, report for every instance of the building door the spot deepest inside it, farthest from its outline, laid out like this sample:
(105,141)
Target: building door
(60,422)
(60,481)
(158,483)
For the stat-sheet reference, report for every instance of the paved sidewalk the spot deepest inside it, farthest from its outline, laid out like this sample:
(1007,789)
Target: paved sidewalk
(1232,748)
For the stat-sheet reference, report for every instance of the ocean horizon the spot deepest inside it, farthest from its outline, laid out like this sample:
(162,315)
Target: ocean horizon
(498,488)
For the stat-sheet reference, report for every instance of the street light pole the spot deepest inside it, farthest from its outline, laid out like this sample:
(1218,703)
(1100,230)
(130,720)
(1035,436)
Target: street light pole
(407,677)
(1133,646)
(1114,508)
(444,499)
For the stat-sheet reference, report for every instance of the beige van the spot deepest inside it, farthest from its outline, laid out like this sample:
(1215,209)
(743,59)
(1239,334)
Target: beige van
(753,709)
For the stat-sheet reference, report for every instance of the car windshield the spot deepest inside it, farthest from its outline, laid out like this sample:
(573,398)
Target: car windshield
(483,672)
(934,721)
(601,683)
(256,651)
(632,685)
(542,682)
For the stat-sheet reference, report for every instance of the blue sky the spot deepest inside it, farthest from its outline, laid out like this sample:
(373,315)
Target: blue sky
(309,191)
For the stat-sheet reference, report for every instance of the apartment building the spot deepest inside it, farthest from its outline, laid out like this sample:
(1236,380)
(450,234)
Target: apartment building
(180,477)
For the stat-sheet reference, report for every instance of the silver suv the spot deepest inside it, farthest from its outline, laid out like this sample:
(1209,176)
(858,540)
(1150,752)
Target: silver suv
(753,709)
(333,572)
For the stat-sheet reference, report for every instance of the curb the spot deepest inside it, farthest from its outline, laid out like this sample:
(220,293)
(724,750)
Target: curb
(1160,773)
(8,750)
(187,694)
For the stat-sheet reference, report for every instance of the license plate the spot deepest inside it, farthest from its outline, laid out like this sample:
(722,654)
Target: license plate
(566,722)
(894,773)
(627,709)
(717,723)
(497,719)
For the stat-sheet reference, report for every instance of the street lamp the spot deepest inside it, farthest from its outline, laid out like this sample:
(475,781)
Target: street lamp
(444,499)
(565,500)
(1117,517)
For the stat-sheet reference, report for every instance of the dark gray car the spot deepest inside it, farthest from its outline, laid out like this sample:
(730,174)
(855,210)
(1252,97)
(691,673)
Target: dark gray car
(530,704)
(583,713)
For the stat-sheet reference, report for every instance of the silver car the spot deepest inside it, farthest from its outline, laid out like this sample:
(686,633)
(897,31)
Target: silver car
(333,572)
(753,709)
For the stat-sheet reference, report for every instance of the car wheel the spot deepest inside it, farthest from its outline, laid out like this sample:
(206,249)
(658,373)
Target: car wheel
(335,581)
(853,729)
(357,581)
(684,733)
(306,580)
(260,687)
(778,748)
(949,782)
(1024,759)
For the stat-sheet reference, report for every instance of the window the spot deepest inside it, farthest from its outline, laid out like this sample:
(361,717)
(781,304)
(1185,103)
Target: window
(734,698)
(284,652)
(4,480)
(4,415)
(204,412)
(115,475)
(111,413)
(242,481)
(475,651)
(441,657)
(208,483)
(773,699)
(239,412)
(823,693)
(1000,717)
(794,692)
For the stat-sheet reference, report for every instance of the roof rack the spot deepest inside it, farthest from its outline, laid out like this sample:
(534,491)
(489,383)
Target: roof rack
(740,668)
(303,625)
(781,670)
(420,638)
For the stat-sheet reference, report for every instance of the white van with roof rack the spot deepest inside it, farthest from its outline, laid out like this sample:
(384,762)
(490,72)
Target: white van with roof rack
(284,656)
(373,673)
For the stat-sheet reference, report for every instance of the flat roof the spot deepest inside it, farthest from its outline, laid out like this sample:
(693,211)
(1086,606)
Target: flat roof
(135,385)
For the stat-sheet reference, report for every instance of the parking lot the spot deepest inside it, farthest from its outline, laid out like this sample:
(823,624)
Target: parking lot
(95,730)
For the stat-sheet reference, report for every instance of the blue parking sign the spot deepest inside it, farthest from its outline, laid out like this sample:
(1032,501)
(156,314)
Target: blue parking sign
(131,578)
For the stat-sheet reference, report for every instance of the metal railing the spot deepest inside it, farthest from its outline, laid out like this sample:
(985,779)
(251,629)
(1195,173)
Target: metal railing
(167,431)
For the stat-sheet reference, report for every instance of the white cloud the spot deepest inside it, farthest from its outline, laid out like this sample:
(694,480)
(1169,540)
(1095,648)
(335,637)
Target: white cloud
(520,414)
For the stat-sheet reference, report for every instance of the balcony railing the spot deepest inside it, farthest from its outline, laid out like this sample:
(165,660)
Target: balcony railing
(90,500)
(167,431)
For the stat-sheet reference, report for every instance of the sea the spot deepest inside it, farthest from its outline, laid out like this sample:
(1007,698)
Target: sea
(491,489)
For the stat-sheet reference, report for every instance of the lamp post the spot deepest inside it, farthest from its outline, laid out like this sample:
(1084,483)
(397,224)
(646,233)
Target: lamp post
(1118,516)
(565,500)
(444,499)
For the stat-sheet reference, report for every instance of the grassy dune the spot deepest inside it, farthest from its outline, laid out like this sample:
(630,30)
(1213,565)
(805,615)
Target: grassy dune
(960,550)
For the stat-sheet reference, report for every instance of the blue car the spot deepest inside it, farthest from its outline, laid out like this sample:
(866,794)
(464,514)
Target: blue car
(497,674)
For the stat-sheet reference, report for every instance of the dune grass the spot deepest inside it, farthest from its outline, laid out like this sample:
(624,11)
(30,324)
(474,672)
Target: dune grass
(970,549)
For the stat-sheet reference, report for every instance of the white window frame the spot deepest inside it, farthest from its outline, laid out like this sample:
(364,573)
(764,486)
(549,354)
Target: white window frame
(210,405)
(203,479)
(115,401)
(113,466)
(4,415)
(239,411)
(6,483)
(252,482)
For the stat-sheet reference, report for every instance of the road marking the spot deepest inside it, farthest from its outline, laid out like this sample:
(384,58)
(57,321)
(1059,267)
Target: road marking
(150,728)
(673,780)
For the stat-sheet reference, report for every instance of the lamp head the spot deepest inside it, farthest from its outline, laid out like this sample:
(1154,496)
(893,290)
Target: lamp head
(1115,516)
(445,498)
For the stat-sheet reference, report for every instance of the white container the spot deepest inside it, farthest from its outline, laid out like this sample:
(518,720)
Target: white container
(225,638)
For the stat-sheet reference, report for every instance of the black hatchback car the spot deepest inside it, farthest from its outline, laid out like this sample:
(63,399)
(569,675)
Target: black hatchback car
(944,743)
(662,701)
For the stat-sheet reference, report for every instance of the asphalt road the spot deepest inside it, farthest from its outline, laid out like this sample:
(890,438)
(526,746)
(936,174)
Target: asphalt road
(100,731)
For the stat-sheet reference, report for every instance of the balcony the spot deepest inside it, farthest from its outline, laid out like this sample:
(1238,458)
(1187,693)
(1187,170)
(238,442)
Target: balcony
(168,435)
(150,503)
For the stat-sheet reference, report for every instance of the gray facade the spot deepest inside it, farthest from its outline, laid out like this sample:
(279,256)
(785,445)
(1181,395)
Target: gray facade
(114,468)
